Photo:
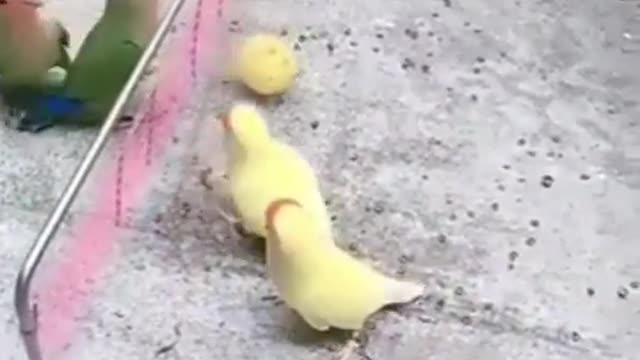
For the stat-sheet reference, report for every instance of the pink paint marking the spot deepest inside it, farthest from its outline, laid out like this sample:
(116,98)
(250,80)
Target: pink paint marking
(66,285)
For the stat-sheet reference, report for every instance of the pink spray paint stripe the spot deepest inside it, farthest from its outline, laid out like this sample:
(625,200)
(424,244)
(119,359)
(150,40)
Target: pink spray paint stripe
(66,284)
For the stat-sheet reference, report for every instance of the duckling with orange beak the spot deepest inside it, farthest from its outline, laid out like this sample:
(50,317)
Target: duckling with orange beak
(262,168)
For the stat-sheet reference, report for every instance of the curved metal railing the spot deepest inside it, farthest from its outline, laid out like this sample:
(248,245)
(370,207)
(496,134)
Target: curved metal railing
(26,311)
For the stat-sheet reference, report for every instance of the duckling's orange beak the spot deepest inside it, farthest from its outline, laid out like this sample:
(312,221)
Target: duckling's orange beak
(226,123)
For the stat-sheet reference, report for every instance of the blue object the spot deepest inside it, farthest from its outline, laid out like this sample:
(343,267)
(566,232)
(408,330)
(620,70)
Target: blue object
(49,110)
(57,105)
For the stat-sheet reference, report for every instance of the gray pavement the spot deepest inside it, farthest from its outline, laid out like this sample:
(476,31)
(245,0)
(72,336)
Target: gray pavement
(488,148)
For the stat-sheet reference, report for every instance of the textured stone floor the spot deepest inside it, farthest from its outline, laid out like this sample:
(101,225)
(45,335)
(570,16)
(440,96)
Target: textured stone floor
(488,148)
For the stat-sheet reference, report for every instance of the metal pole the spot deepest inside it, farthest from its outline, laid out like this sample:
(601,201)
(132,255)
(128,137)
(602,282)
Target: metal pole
(27,314)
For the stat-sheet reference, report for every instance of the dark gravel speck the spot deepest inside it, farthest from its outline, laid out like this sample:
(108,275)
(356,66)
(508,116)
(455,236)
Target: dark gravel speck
(495,206)
(411,33)
(408,64)
(584,177)
(442,238)
(575,336)
(534,223)
(530,241)
(513,255)
(546,181)
(330,48)
(635,285)
(622,292)
(591,292)
(314,125)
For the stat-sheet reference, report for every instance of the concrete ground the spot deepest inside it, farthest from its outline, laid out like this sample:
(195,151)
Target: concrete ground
(489,148)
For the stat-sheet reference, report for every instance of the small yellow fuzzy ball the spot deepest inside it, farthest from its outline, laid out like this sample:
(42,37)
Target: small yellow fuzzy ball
(266,64)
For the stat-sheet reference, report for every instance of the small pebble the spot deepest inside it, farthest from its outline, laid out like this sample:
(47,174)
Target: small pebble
(530,241)
(513,255)
(495,206)
(408,64)
(534,223)
(412,34)
(585,177)
(442,238)
(635,285)
(459,291)
(314,125)
(623,292)
(547,181)
(521,142)
(591,291)
(575,336)
(330,47)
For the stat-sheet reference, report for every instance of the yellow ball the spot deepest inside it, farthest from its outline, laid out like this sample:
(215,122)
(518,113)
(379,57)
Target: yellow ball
(266,64)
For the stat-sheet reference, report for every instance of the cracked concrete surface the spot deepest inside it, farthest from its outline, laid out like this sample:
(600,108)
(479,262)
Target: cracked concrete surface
(489,148)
